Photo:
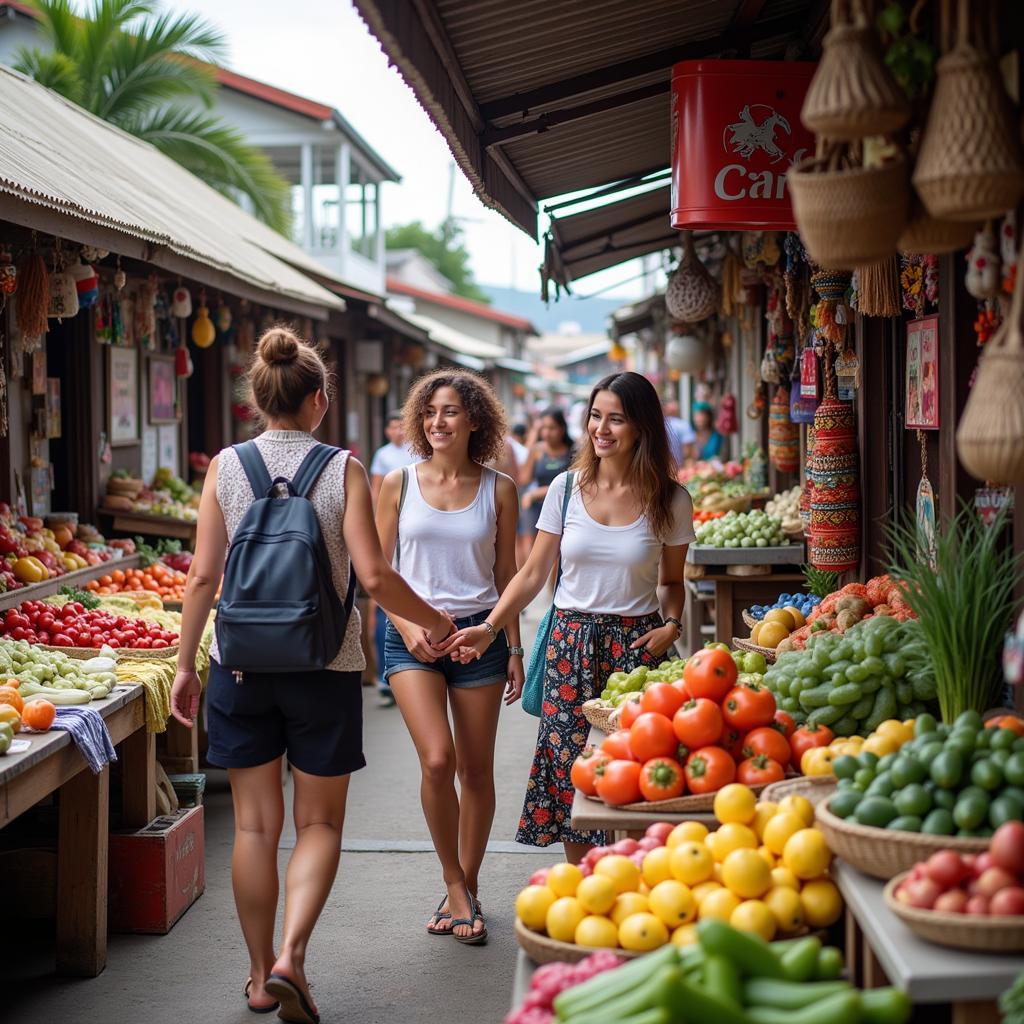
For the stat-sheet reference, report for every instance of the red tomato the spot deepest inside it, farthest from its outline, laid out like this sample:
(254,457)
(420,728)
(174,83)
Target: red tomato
(19,633)
(619,782)
(113,642)
(748,707)
(61,640)
(807,737)
(631,711)
(698,723)
(652,735)
(709,769)
(732,740)
(584,767)
(784,723)
(710,673)
(662,698)
(766,741)
(759,771)
(615,745)
(142,643)
(662,779)
(159,643)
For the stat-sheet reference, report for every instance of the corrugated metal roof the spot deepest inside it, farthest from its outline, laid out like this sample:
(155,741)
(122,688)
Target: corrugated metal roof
(56,155)
(456,340)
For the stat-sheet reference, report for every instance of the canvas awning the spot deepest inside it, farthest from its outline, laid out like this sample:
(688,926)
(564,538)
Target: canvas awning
(66,172)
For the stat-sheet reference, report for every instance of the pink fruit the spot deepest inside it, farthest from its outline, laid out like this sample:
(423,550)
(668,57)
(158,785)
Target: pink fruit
(586,870)
(921,892)
(977,905)
(946,868)
(1007,847)
(1008,902)
(638,858)
(540,876)
(660,830)
(952,902)
(592,856)
(917,871)
(626,847)
(649,843)
(982,862)
(992,880)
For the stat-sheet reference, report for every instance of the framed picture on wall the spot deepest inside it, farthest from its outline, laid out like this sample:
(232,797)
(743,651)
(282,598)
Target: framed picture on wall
(922,383)
(123,395)
(162,391)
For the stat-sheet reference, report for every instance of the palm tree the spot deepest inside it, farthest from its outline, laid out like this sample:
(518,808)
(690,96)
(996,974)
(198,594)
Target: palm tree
(132,65)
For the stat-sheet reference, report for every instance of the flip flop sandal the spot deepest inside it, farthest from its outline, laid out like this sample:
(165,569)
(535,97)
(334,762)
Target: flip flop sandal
(475,938)
(256,1009)
(438,917)
(294,1007)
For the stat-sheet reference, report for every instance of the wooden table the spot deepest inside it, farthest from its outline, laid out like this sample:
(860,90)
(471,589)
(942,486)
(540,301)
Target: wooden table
(880,950)
(51,764)
(152,526)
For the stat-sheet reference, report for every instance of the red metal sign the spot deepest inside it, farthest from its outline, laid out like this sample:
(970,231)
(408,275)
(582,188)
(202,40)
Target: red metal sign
(736,132)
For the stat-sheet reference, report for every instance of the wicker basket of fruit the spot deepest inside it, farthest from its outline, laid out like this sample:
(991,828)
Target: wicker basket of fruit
(544,950)
(746,645)
(598,713)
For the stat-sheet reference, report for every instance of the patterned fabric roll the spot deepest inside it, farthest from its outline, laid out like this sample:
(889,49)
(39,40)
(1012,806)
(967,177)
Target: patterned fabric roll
(806,495)
(783,434)
(835,504)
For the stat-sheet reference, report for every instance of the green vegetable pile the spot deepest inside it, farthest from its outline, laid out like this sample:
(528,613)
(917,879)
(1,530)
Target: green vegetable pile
(852,683)
(55,676)
(742,530)
(960,780)
(1011,1002)
(731,977)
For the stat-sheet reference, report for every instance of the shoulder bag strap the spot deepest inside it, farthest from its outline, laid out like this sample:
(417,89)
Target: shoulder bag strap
(255,468)
(565,508)
(401,505)
(311,467)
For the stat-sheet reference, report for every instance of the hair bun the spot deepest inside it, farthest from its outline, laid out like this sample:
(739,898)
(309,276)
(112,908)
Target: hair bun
(278,347)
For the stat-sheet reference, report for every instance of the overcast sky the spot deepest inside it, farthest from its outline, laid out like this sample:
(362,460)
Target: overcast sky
(322,49)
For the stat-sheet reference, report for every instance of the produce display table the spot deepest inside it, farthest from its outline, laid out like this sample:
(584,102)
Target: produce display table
(880,950)
(152,526)
(52,763)
(731,595)
(35,591)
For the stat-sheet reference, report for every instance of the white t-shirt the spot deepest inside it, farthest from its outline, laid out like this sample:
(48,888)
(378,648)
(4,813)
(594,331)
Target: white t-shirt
(520,451)
(611,570)
(389,457)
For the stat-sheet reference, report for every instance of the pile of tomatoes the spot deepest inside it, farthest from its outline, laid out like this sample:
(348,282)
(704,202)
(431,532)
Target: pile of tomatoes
(73,625)
(694,735)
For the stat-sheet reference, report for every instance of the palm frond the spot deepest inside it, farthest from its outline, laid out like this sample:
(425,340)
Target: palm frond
(104,21)
(220,156)
(60,25)
(55,70)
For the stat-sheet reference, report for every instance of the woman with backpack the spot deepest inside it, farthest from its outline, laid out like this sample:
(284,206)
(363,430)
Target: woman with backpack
(451,523)
(618,526)
(312,716)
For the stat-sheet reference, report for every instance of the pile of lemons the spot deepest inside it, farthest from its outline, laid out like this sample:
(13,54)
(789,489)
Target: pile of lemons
(764,870)
(886,739)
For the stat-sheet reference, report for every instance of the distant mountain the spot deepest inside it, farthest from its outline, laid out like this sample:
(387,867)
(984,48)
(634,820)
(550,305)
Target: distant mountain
(591,314)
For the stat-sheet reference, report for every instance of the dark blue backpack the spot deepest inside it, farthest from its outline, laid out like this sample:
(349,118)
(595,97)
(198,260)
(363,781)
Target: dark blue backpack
(279,610)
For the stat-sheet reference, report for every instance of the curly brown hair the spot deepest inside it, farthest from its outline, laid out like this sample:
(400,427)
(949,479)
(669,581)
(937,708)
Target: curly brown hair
(487,442)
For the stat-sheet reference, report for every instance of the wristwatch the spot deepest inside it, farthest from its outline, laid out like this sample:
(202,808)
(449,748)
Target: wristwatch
(675,622)
(513,651)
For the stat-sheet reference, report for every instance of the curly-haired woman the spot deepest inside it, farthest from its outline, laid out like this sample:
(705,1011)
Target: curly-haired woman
(451,523)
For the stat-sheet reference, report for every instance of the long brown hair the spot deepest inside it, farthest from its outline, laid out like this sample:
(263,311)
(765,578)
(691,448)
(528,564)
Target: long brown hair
(651,472)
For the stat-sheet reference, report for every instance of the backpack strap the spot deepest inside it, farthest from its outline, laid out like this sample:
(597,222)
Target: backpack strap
(312,466)
(255,468)
(401,505)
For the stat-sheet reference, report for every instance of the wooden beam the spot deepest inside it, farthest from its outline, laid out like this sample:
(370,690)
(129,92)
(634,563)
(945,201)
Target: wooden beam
(747,13)
(628,225)
(625,71)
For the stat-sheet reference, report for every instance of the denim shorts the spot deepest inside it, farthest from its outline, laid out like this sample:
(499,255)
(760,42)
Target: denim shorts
(490,668)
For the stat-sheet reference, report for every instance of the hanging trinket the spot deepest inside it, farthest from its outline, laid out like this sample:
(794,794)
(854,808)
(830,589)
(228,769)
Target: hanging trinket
(756,408)
(145,314)
(181,302)
(924,508)
(183,361)
(3,382)
(931,280)
(847,375)
(120,278)
(1008,251)
(63,301)
(8,276)
(223,318)
(912,284)
(831,286)
(986,323)
(203,331)
(982,279)
(727,423)
(93,255)
(87,283)
(103,320)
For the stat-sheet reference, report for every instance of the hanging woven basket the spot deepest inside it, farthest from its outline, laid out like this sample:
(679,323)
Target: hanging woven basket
(926,235)
(970,165)
(990,436)
(692,293)
(849,215)
(783,434)
(853,94)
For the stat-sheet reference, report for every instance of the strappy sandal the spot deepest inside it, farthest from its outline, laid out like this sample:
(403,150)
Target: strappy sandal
(438,917)
(256,1009)
(474,938)
(295,1006)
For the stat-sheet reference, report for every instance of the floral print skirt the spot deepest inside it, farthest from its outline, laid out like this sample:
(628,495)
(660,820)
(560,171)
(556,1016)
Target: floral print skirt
(583,650)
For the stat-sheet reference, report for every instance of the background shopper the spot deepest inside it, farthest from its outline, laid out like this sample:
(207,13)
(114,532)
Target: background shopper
(550,454)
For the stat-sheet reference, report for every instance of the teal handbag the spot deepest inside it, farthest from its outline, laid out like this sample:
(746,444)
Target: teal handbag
(533,688)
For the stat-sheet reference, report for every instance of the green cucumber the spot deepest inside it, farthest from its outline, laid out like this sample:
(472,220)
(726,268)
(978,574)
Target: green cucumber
(789,995)
(750,953)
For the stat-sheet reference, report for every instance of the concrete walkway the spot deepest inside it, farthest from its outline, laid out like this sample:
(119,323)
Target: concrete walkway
(370,961)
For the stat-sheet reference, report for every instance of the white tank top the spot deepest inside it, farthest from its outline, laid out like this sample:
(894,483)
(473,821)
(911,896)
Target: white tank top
(448,557)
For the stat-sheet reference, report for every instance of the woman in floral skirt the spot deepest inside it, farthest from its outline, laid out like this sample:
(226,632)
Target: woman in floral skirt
(618,604)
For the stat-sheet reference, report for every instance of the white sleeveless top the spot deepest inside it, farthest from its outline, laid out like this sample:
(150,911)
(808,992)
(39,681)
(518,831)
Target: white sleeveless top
(283,452)
(448,557)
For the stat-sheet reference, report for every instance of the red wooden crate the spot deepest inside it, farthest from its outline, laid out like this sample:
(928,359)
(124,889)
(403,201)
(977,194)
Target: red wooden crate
(157,873)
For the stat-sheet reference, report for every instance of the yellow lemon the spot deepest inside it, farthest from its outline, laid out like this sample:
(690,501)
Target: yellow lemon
(892,728)
(745,873)
(700,891)
(800,806)
(596,894)
(818,761)
(642,932)
(779,829)
(755,632)
(735,803)
(781,616)
(673,903)
(687,832)
(709,842)
(627,904)
(766,855)
(771,634)
(597,931)
(716,873)
(796,615)
(532,905)
(783,876)
(685,935)
(692,863)
(643,888)
(821,903)
(625,875)
(786,908)
(733,836)
(754,916)
(563,918)
(807,854)
(563,879)
(763,813)
(720,904)
(880,745)
(657,866)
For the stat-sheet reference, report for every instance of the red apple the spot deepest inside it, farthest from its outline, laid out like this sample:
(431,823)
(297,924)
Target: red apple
(954,901)
(626,847)
(660,830)
(992,881)
(649,843)
(1007,847)
(921,892)
(917,871)
(638,858)
(586,870)
(592,856)
(1008,902)
(982,862)
(540,876)
(946,868)
(977,905)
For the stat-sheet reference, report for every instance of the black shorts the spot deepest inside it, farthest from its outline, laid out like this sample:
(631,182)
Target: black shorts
(316,718)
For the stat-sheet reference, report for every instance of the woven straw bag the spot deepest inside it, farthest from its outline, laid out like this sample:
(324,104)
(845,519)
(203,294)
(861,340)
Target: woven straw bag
(928,236)
(692,293)
(849,215)
(852,93)
(990,436)
(970,166)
